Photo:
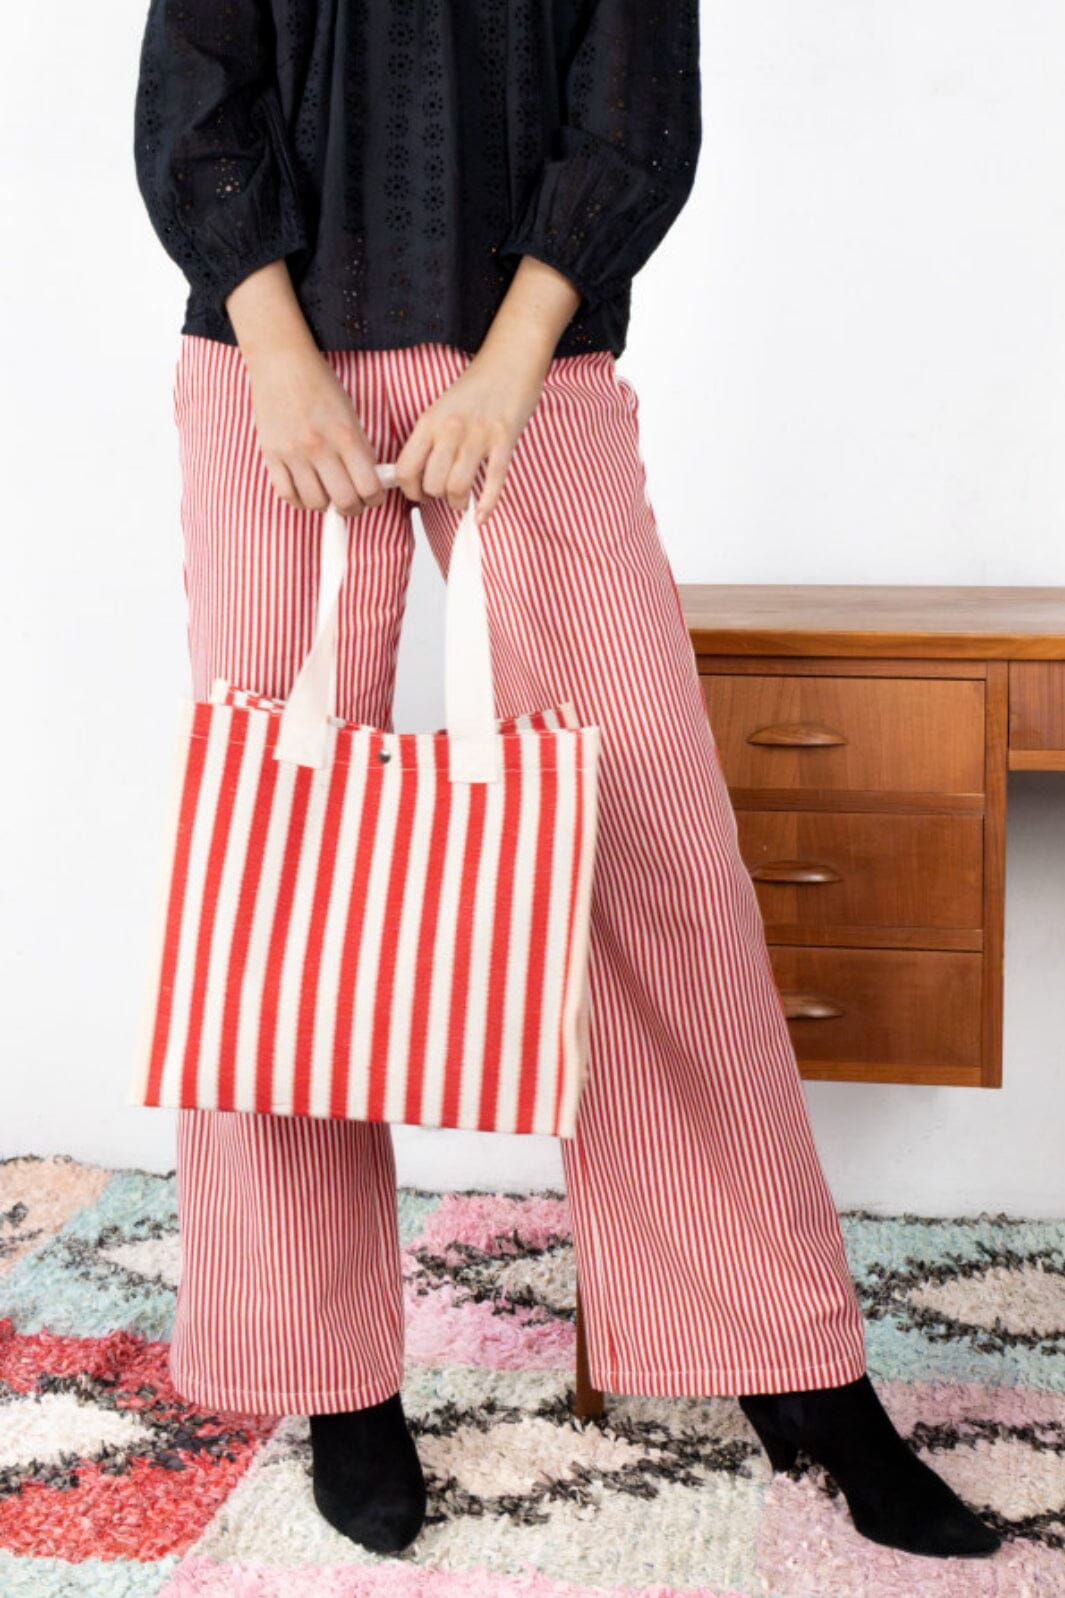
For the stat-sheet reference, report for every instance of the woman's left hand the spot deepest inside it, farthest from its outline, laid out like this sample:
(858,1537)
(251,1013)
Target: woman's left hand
(484,410)
(481,414)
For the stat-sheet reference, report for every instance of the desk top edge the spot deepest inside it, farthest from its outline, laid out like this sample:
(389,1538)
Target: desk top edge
(876,620)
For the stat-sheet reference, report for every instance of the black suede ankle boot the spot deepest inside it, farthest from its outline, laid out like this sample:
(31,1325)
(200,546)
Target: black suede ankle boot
(368,1479)
(894,1497)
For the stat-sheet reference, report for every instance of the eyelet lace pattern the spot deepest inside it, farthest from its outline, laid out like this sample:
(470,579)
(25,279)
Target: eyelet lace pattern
(403,157)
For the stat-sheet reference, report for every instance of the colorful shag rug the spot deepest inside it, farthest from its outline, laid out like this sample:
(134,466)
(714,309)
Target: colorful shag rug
(111,1485)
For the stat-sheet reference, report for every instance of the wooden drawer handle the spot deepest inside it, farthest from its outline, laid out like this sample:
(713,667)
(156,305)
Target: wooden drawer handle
(796,735)
(794,871)
(808,1007)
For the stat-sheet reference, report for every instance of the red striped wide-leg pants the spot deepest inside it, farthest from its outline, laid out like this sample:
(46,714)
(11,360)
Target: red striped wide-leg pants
(708,1249)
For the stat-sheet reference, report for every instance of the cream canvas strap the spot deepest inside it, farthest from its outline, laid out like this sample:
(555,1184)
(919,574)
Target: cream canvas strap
(474,750)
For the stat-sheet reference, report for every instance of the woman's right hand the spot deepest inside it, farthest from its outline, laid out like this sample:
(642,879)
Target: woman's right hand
(310,436)
(311,439)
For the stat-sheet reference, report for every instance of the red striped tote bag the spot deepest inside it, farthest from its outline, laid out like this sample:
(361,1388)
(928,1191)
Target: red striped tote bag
(372,925)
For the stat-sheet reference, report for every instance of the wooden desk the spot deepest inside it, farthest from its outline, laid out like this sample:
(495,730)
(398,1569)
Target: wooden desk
(866,734)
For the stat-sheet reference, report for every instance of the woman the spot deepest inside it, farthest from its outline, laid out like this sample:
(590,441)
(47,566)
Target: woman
(409,233)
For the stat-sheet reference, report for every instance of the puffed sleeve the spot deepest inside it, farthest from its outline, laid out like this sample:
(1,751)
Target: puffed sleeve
(211,150)
(627,148)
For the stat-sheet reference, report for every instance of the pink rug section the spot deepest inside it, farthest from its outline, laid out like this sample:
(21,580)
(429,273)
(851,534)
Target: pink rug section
(808,1549)
(202,1578)
(485,1221)
(50,1191)
(910,1403)
(440,1333)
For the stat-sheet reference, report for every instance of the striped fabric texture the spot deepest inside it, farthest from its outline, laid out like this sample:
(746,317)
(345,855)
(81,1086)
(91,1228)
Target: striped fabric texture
(707,1247)
(368,939)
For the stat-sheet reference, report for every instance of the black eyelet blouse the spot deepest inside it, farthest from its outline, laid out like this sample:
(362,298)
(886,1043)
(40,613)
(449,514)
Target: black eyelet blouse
(404,156)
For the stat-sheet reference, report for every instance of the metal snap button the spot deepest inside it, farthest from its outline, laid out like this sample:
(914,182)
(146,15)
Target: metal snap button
(384,754)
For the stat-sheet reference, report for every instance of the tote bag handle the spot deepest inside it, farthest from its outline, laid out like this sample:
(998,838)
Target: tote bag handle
(473,742)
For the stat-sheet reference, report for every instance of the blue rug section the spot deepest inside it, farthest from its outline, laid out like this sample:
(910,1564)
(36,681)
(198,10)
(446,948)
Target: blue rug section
(899,1262)
(72,1285)
(114,1264)
(91,1578)
(414,1206)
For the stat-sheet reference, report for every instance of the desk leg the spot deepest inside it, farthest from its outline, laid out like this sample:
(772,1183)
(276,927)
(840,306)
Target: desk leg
(588,1400)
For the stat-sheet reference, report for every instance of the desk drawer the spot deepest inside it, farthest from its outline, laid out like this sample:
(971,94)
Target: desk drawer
(894,734)
(1037,704)
(824,869)
(886,1015)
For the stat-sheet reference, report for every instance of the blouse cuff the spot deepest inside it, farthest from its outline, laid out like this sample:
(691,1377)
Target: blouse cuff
(261,221)
(261,250)
(595,216)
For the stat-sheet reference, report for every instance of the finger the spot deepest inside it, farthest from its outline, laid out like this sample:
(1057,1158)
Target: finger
(495,476)
(308,485)
(467,465)
(410,462)
(336,480)
(364,475)
(284,487)
(449,434)
(357,458)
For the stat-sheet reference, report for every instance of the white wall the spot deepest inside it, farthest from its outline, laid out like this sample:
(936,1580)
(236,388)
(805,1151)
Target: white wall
(850,354)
